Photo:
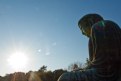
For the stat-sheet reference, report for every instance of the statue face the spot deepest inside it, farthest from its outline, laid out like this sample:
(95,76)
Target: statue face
(85,29)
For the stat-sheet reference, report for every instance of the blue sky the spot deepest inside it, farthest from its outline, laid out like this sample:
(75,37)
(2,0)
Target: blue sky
(47,31)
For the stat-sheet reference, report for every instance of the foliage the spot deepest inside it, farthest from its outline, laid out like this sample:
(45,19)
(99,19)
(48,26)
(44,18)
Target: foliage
(41,75)
(43,68)
(75,66)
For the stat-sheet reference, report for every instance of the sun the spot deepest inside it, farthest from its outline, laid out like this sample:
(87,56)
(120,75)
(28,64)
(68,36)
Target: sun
(18,61)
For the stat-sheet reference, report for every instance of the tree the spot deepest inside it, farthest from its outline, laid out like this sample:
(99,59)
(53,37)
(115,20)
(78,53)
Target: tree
(34,77)
(87,64)
(49,76)
(43,68)
(75,66)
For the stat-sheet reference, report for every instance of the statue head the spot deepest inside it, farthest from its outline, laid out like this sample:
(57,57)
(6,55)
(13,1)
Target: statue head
(86,22)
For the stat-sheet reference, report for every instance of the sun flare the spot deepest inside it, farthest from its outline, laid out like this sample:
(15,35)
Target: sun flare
(18,61)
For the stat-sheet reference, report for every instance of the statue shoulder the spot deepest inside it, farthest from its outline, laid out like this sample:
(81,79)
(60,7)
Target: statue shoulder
(101,25)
